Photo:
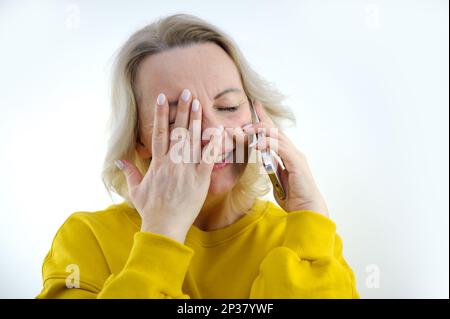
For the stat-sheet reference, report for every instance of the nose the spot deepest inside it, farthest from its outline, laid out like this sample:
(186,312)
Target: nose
(210,123)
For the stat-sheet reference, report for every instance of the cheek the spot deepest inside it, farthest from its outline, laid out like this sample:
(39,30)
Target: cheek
(240,118)
(224,180)
(145,127)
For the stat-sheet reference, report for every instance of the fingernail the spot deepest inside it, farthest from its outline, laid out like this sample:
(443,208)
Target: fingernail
(120,165)
(161,99)
(195,105)
(186,94)
(246,126)
(220,129)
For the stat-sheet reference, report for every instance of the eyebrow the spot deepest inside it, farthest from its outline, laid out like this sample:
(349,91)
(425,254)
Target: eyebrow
(175,103)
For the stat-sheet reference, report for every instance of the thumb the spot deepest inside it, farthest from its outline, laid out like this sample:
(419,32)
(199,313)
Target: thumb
(132,174)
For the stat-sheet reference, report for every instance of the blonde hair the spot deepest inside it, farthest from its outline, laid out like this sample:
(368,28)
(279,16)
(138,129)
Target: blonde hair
(122,130)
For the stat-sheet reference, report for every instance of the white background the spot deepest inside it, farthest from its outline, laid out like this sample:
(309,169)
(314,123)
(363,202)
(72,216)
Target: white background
(368,81)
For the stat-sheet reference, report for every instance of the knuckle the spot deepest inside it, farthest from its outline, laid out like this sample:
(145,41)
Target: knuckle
(183,104)
(183,111)
(161,113)
(159,131)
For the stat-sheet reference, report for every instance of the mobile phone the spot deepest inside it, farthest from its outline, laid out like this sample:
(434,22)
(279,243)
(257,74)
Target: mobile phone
(269,162)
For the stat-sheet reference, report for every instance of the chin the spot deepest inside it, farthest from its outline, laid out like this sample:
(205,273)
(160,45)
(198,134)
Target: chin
(223,179)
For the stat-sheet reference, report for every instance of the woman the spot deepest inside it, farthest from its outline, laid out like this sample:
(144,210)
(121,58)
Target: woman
(198,228)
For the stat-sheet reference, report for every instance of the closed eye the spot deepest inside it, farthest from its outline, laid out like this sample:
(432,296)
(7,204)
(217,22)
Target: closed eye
(228,108)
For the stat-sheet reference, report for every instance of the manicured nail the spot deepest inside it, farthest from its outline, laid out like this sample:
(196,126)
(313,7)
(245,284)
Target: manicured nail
(120,165)
(195,105)
(161,99)
(186,94)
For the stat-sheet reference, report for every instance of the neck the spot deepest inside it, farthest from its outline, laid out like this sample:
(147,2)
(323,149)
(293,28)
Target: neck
(217,212)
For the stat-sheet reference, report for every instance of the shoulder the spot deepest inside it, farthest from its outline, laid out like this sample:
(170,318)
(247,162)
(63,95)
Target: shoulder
(82,227)
(273,211)
(94,222)
(273,216)
(81,239)
(91,219)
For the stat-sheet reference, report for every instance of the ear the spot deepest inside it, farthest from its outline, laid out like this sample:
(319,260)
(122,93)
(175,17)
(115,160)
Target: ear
(143,150)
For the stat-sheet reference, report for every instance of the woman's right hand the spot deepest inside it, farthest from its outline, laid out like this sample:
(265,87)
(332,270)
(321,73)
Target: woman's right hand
(170,195)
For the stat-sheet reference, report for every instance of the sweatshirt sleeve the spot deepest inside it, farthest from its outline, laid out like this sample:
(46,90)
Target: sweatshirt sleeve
(309,263)
(155,268)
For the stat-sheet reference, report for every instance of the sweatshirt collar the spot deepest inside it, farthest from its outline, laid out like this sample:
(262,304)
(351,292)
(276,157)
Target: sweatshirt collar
(213,237)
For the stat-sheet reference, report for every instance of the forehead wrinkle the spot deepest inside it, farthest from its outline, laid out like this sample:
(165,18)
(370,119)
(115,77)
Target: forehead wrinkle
(204,79)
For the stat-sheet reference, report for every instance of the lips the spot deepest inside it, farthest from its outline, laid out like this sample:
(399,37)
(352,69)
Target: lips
(224,156)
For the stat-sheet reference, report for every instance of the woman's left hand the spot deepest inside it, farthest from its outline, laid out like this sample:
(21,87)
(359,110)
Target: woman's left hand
(301,190)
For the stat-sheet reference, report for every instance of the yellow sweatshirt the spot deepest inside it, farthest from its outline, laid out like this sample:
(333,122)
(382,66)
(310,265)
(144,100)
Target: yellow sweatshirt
(267,253)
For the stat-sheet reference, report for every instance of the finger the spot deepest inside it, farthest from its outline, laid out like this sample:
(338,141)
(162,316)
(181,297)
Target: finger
(160,135)
(211,151)
(183,109)
(283,150)
(261,128)
(195,130)
(263,143)
(182,117)
(239,137)
(132,174)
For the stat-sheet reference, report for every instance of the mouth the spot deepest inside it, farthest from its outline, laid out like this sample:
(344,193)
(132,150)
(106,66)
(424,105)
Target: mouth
(223,160)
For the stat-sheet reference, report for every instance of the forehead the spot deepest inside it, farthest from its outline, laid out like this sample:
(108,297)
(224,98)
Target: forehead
(205,69)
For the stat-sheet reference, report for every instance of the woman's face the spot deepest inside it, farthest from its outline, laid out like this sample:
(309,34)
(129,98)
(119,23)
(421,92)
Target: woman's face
(206,70)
